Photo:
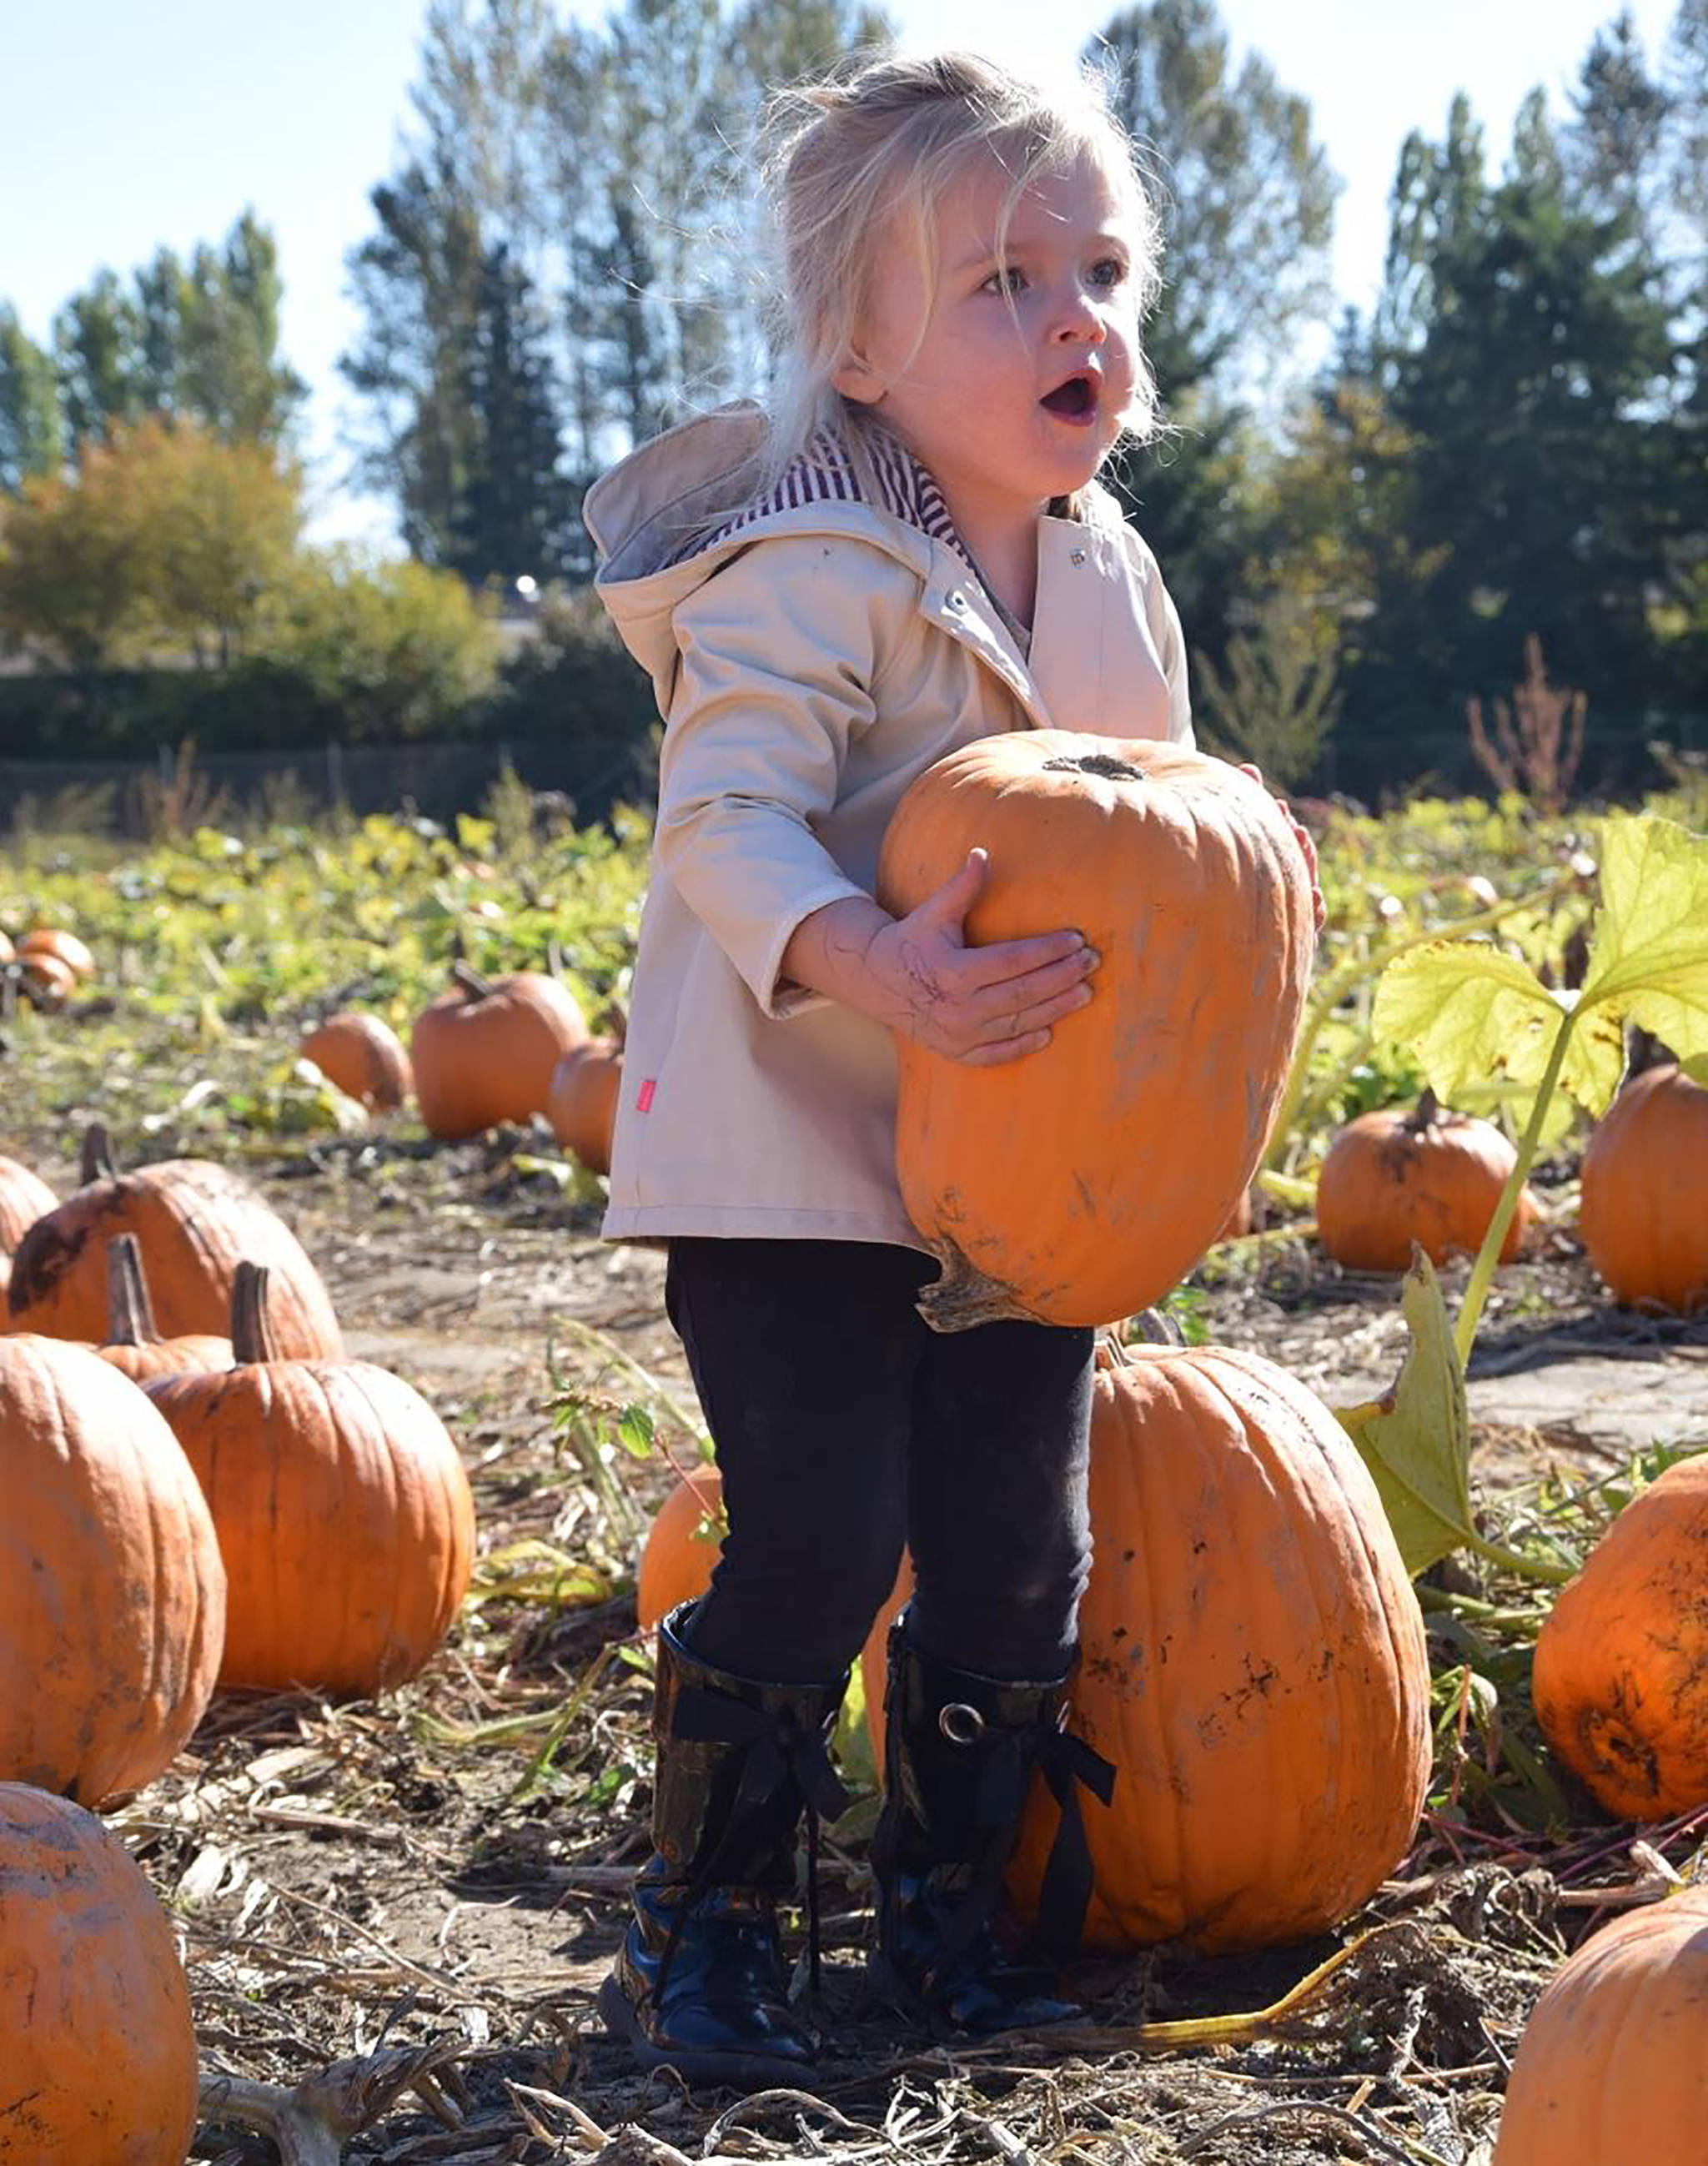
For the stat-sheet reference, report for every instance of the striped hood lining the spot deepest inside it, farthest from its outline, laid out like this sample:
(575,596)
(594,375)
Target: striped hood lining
(823,473)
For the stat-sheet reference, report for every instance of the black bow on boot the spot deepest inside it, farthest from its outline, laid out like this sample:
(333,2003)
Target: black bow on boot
(959,1753)
(699,1984)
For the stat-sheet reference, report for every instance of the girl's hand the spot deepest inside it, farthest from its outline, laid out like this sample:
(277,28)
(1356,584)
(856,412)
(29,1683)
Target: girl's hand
(979,1006)
(1320,909)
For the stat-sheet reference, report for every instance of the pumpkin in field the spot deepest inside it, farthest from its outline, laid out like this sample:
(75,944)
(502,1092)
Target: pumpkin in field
(1078,1184)
(1432,1176)
(63,948)
(112,1593)
(24,1198)
(133,1344)
(342,1510)
(581,1103)
(1252,1661)
(1612,2069)
(1644,1212)
(45,981)
(484,1051)
(193,1221)
(681,1546)
(98,2052)
(363,1055)
(1620,1678)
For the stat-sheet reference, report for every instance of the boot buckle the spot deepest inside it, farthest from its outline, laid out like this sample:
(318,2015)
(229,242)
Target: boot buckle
(960,1724)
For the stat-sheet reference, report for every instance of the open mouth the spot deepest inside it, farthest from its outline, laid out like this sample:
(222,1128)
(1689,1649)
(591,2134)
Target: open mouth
(1076,400)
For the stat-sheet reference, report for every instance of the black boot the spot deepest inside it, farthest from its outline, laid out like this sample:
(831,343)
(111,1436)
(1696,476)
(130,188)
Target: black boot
(959,1753)
(699,1984)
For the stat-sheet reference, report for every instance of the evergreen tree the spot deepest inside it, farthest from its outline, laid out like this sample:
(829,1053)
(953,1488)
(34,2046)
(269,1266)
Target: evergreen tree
(515,507)
(31,434)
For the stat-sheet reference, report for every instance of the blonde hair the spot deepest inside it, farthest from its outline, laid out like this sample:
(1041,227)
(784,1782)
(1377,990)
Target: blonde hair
(848,159)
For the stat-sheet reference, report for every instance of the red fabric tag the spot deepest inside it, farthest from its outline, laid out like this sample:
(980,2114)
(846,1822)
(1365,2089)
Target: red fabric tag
(643,1096)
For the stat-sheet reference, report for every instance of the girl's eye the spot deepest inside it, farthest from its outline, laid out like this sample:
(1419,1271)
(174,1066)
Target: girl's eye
(1111,272)
(1004,282)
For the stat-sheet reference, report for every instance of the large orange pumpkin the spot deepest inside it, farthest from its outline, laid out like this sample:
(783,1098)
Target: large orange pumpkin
(111,1594)
(363,1056)
(133,1344)
(24,1198)
(1644,1212)
(1429,1177)
(484,1051)
(342,1510)
(1612,2069)
(681,1547)
(1077,1185)
(194,1221)
(1253,1662)
(1620,1682)
(98,2052)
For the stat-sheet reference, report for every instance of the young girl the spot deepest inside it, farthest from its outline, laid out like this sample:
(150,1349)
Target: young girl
(907,552)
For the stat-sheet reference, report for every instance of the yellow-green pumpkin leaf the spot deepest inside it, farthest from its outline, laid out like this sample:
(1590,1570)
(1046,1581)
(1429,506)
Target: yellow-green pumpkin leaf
(1417,1440)
(1649,956)
(1472,1014)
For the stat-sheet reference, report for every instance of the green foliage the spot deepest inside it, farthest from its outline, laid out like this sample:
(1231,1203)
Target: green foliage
(164,540)
(1275,702)
(400,650)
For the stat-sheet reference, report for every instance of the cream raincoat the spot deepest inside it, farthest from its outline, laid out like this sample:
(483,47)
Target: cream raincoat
(808,664)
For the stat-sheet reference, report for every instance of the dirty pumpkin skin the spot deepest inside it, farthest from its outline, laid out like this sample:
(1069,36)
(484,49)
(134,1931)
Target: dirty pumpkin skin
(1077,1185)
(1432,1176)
(1620,1679)
(97,2052)
(1253,1662)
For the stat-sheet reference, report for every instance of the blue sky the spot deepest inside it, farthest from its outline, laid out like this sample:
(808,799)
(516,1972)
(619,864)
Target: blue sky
(128,127)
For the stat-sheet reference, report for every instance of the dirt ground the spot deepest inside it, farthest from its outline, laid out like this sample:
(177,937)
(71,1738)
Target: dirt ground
(437,1879)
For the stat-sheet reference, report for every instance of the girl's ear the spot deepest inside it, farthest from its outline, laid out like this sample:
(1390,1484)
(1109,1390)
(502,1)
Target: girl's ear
(858,380)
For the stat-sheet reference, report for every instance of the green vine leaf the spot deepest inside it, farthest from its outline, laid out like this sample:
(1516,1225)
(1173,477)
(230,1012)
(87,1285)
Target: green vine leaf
(1472,1013)
(1416,1440)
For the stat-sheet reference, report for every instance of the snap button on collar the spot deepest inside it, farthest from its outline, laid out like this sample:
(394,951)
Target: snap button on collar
(1075,556)
(955,599)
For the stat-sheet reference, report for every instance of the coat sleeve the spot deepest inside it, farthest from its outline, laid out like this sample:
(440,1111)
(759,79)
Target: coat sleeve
(778,653)
(1171,647)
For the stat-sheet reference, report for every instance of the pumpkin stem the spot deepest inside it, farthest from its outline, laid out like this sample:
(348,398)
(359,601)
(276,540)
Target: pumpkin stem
(130,1312)
(477,987)
(252,1328)
(97,1154)
(1102,763)
(963,1296)
(1425,1113)
(1155,1327)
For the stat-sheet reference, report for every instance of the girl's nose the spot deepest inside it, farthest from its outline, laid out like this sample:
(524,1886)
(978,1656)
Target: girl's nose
(1081,320)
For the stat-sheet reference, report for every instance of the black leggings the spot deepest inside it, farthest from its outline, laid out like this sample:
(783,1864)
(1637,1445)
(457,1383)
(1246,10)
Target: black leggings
(844,1425)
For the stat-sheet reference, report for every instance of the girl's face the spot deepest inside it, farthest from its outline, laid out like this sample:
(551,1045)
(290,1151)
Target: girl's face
(1004,418)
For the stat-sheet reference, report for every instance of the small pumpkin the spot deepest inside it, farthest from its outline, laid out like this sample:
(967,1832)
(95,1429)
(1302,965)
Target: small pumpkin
(342,1510)
(1612,2069)
(193,1221)
(1077,1185)
(581,1104)
(681,1547)
(363,1056)
(45,981)
(98,2050)
(1256,1672)
(113,1596)
(1620,1682)
(483,1051)
(61,946)
(133,1344)
(1644,1210)
(1432,1176)
(24,1198)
